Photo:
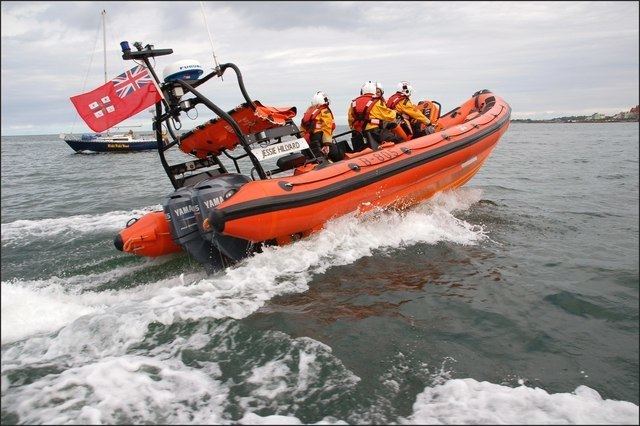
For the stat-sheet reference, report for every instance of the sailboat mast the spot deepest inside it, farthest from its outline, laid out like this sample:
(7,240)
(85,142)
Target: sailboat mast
(104,44)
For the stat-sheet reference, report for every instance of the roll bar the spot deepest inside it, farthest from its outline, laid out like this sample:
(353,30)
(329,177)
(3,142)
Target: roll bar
(226,117)
(173,106)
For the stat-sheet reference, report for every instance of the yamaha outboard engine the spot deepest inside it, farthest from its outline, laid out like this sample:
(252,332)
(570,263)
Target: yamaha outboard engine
(180,212)
(206,196)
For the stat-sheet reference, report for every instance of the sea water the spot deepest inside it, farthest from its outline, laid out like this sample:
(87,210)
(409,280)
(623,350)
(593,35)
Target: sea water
(513,299)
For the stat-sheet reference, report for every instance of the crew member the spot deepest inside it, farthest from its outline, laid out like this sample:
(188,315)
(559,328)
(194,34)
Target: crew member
(431,110)
(414,121)
(369,116)
(317,127)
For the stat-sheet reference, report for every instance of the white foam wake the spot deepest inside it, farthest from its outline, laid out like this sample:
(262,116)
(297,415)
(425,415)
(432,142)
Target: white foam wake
(127,389)
(20,230)
(103,379)
(27,312)
(159,387)
(467,401)
(239,291)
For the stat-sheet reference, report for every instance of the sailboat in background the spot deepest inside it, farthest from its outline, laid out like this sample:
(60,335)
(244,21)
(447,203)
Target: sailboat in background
(107,142)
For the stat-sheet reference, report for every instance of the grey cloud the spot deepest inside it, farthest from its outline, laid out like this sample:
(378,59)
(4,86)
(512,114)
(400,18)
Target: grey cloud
(312,14)
(539,56)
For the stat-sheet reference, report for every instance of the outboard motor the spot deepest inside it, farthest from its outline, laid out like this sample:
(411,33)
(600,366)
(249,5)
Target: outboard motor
(206,196)
(180,212)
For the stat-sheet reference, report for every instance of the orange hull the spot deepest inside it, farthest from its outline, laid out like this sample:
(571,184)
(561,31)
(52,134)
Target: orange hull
(283,209)
(397,175)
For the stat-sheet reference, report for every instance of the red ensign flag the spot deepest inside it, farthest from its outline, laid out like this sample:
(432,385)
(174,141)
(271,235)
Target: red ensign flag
(124,96)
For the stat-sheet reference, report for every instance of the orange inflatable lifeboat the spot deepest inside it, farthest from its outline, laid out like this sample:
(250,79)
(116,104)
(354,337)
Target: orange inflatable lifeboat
(252,178)
(219,217)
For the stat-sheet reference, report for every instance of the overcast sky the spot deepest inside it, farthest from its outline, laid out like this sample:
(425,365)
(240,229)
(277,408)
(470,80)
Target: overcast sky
(546,59)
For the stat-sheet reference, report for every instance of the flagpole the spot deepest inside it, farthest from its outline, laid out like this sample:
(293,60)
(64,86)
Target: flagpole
(155,83)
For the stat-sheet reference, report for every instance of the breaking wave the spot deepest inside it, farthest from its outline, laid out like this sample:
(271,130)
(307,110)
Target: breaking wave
(20,230)
(240,290)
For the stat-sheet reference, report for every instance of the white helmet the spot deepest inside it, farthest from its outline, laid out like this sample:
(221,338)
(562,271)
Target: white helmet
(379,86)
(405,87)
(369,87)
(320,98)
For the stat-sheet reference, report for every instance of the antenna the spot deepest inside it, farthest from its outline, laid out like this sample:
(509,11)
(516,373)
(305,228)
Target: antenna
(104,45)
(204,16)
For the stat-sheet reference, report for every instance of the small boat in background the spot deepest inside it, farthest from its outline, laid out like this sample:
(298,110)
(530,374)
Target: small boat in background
(107,142)
(127,142)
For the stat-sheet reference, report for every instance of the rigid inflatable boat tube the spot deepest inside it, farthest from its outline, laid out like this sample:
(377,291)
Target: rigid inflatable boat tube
(218,217)
(148,236)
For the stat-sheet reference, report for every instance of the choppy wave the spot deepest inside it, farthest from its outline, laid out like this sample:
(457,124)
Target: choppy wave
(159,387)
(26,312)
(89,339)
(108,391)
(21,230)
(45,306)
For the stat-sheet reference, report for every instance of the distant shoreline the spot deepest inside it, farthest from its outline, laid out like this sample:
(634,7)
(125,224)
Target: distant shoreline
(527,121)
(631,116)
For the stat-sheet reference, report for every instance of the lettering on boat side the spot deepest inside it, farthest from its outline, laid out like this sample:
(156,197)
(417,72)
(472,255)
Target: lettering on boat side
(117,145)
(379,157)
(280,149)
